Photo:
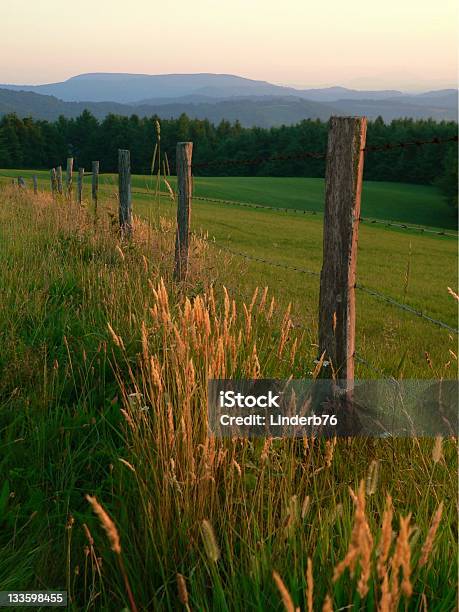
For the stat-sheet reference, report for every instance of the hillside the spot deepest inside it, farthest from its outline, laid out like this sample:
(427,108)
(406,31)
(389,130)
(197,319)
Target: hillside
(264,111)
(135,88)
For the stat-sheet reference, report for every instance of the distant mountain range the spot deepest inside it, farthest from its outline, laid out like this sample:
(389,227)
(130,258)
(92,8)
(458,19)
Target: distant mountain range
(216,97)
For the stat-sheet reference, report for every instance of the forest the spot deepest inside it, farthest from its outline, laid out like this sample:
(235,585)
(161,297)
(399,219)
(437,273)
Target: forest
(39,144)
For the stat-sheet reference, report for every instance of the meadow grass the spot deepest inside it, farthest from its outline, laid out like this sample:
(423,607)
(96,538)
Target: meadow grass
(412,267)
(104,365)
(402,202)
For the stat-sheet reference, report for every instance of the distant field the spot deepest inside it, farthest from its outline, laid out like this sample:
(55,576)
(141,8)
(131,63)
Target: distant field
(411,267)
(416,204)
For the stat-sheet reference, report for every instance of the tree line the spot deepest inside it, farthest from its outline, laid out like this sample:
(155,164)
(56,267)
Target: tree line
(39,144)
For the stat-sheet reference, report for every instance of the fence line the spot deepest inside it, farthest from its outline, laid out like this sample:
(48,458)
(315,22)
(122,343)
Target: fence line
(410,143)
(274,264)
(283,209)
(357,286)
(418,313)
(300,211)
(318,155)
(419,228)
(344,158)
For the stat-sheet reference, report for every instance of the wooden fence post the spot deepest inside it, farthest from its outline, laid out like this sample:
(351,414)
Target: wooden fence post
(343,187)
(21,182)
(80,185)
(184,154)
(59,179)
(124,188)
(53,181)
(35,184)
(69,177)
(95,185)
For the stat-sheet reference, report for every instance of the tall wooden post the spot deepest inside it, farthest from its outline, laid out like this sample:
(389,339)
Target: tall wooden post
(95,185)
(21,182)
(184,192)
(53,181)
(124,188)
(69,177)
(343,188)
(80,185)
(35,184)
(59,179)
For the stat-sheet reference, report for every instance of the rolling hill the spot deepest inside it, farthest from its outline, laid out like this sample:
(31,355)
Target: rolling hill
(216,97)
(143,88)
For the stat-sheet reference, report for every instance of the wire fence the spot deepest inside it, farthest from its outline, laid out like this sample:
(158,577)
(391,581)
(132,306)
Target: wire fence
(408,143)
(406,307)
(318,155)
(369,291)
(321,155)
(300,211)
(268,262)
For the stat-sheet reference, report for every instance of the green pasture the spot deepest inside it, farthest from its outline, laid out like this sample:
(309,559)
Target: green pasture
(400,202)
(412,267)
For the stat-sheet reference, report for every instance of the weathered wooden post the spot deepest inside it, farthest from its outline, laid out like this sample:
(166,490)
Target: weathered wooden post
(35,184)
(69,177)
(343,187)
(59,179)
(95,185)
(21,182)
(53,181)
(124,188)
(184,192)
(80,185)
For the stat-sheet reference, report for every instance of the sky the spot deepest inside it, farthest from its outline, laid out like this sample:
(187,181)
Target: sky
(403,44)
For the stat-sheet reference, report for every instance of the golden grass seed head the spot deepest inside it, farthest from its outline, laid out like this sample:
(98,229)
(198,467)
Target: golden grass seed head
(210,541)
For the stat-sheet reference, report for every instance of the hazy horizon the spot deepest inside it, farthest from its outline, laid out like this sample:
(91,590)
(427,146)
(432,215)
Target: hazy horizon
(358,83)
(409,45)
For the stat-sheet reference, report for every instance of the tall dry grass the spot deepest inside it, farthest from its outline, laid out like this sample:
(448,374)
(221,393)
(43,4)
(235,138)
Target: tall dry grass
(195,522)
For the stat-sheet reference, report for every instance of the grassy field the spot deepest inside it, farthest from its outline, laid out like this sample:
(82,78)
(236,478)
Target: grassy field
(412,267)
(102,387)
(414,204)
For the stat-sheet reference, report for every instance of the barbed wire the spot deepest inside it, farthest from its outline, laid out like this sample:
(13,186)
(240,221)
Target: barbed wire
(303,211)
(419,228)
(300,211)
(274,264)
(319,155)
(312,154)
(409,143)
(254,205)
(406,307)
(283,209)
(364,289)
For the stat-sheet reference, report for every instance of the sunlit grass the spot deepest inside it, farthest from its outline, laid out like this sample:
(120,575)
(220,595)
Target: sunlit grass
(104,366)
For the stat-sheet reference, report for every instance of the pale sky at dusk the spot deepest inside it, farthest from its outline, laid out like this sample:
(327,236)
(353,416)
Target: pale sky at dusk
(405,44)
